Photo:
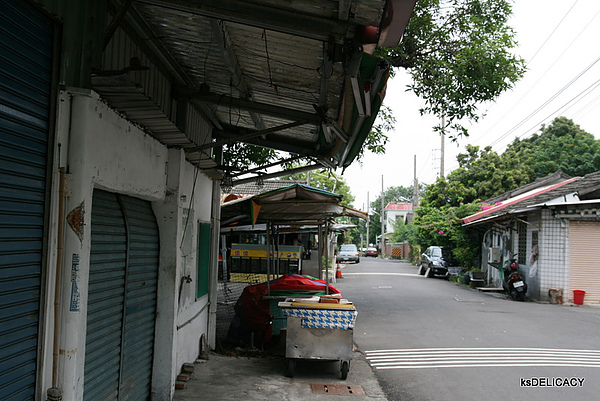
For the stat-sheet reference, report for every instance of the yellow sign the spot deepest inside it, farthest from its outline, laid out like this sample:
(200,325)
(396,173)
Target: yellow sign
(255,253)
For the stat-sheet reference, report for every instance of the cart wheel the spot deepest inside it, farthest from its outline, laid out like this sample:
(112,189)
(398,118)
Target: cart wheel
(344,370)
(291,368)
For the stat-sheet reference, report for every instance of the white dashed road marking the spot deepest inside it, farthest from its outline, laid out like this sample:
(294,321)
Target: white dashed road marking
(431,358)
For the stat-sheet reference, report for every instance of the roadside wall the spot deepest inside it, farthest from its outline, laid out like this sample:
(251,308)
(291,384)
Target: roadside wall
(103,150)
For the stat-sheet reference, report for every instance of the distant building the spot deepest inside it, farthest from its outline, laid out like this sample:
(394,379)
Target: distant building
(394,211)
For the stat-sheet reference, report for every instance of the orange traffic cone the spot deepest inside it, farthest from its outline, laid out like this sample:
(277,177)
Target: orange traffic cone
(338,272)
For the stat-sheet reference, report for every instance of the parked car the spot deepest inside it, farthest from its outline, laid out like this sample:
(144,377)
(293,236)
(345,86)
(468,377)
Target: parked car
(439,261)
(347,253)
(371,252)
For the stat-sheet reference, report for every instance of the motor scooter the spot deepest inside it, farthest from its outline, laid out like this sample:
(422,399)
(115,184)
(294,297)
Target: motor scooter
(512,281)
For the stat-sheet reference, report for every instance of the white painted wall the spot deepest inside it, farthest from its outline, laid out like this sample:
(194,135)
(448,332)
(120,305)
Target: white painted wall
(391,216)
(553,270)
(186,317)
(103,150)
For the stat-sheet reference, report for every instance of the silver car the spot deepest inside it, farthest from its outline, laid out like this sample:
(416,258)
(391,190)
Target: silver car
(347,253)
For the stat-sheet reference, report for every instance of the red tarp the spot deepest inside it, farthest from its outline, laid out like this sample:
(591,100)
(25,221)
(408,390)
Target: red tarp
(253,313)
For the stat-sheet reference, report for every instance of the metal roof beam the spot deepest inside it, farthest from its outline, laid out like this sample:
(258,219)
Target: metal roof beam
(252,134)
(262,16)
(302,148)
(280,173)
(344,9)
(266,166)
(262,108)
(116,21)
(233,65)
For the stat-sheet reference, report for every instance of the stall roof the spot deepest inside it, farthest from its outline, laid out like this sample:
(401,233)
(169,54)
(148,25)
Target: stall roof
(297,203)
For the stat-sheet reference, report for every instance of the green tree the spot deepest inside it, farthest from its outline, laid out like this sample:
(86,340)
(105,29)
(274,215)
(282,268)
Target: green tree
(483,174)
(404,232)
(458,53)
(243,156)
(442,226)
(562,145)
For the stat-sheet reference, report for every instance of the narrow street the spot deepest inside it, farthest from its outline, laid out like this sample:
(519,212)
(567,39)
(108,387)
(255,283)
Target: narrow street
(430,339)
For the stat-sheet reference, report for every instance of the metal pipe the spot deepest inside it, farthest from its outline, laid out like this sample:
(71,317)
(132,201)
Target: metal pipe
(268,258)
(62,193)
(327,246)
(214,255)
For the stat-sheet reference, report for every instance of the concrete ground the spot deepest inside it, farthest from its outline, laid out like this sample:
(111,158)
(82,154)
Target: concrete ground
(238,378)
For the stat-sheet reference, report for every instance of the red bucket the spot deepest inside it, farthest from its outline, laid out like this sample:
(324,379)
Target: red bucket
(578,297)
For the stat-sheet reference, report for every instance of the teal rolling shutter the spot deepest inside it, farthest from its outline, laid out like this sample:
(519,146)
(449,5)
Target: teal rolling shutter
(122,299)
(25,93)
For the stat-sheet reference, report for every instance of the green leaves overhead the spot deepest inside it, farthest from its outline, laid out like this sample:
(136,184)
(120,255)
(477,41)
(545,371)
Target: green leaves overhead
(458,53)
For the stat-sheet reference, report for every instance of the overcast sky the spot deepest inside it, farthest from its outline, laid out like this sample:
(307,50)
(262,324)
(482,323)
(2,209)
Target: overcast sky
(558,40)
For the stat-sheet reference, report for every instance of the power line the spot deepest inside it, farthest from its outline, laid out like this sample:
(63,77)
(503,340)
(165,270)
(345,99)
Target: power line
(552,33)
(528,62)
(537,110)
(580,95)
(560,56)
(590,106)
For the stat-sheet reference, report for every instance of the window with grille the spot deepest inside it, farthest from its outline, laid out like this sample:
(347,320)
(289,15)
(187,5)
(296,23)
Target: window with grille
(522,244)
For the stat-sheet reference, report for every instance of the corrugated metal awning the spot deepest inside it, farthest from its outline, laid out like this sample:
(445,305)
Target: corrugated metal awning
(290,76)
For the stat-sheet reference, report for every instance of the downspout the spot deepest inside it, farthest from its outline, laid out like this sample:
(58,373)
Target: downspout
(327,248)
(214,262)
(54,393)
(268,258)
(214,254)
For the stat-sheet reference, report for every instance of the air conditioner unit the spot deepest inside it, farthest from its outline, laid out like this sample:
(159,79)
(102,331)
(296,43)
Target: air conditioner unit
(494,254)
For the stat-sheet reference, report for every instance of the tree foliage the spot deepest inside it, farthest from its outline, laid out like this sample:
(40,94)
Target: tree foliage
(562,145)
(483,174)
(243,156)
(458,53)
(442,226)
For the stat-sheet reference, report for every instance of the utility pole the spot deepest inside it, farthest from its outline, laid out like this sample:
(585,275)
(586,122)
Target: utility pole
(382,221)
(415,200)
(368,219)
(442,148)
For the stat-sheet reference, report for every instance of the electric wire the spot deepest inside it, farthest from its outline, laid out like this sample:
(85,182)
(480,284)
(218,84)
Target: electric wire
(552,33)
(579,95)
(545,72)
(590,106)
(546,103)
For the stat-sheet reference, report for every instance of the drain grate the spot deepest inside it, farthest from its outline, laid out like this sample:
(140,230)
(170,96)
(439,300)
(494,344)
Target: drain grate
(337,389)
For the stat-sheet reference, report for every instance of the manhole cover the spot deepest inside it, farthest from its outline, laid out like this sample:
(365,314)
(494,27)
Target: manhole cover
(337,389)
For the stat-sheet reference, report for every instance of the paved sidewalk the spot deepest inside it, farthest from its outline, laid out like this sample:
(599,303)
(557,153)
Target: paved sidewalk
(255,378)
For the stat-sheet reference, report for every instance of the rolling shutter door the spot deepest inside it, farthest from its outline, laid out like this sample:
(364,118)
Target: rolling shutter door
(25,92)
(584,271)
(122,299)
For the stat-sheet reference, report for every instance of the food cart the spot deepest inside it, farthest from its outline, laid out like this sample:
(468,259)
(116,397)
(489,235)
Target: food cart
(320,327)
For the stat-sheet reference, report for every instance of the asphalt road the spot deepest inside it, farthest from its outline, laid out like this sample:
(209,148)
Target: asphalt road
(430,339)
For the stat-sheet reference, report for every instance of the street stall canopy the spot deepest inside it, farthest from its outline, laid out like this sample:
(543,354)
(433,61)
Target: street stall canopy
(297,203)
